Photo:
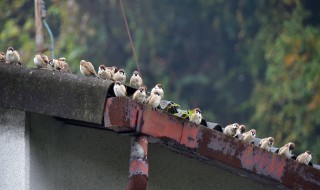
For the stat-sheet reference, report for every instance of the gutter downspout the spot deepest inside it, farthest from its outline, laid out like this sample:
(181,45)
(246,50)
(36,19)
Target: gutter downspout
(139,167)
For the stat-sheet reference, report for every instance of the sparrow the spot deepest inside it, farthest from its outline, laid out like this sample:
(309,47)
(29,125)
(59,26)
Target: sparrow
(154,100)
(231,129)
(105,73)
(136,80)
(12,56)
(267,143)
(60,65)
(287,149)
(41,60)
(120,76)
(305,157)
(87,69)
(249,136)
(2,57)
(119,89)
(140,95)
(158,88)
(196,116)
(241,129)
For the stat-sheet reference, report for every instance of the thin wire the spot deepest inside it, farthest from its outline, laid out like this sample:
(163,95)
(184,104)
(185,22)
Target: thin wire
(129,35)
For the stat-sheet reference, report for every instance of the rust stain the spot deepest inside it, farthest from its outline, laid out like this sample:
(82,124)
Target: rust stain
(138,167)
(189,135)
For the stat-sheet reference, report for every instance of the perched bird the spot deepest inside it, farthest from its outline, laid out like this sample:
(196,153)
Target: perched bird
(2,57)
(241,129)
(12,56)
(60,65)
(267,143)
(41,60)
(105,73)
(140,95)
(249,136)
(231,129)
(158,88)
(287,149)
(119,89)
(305,157)
(87,68)
(154,100)
(120,76)
(136,80)
(196,116)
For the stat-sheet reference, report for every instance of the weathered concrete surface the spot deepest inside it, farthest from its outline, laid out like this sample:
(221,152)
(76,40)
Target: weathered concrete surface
(14,150)
(53,93)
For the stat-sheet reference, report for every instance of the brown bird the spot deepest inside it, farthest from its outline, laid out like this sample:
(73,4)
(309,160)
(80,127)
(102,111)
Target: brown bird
(105,73)
(64,66)
(287,149)
(154,100)
(249,136)
(196,116)
(87,69)
(231,129)
(12,56)
(41,60)
(158,88)
(120,76)
(136,80)
(2,57)
(119,89)
(241,129)
(305,157)
(266,143)
(140,95)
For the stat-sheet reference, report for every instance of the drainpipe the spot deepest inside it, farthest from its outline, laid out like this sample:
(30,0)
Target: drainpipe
(139,168)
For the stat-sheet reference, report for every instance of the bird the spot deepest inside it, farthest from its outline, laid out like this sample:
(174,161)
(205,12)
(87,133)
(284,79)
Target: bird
(154,100)
(241,129)
(249,136)
(2,57)
(119,89)
(196,116)
(105,73)
(231,129)
(120,75)
(267,143)
(287,149)
(140,95)
(158,88)
(12,56)
(60,65)
(41,60)
(64,66)
(136,80)
(305,157)
(87,68)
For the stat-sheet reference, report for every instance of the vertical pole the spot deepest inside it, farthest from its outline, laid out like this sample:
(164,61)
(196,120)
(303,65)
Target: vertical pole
(139,167)
(39,29)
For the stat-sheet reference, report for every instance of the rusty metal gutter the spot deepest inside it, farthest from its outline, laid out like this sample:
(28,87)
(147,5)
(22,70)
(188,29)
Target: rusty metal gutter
(126,115)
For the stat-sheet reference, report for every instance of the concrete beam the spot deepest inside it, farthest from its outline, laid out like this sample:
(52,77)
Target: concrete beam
(53,93)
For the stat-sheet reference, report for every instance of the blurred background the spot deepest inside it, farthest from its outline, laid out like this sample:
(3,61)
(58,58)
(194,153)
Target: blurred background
(252,62)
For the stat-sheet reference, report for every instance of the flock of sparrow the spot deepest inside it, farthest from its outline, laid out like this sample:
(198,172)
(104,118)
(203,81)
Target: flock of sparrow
(119,76)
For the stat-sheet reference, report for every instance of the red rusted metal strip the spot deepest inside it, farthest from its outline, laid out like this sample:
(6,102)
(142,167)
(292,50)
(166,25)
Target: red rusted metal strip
(139,168)
(213,145)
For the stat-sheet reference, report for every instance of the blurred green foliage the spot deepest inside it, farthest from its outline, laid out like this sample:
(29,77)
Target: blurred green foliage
(251,62)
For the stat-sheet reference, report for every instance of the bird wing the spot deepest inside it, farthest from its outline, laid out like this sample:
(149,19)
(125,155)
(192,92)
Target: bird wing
(123,88)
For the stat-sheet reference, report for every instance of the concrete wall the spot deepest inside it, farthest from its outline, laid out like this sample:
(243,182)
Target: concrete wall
(64,156)
(14,150)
